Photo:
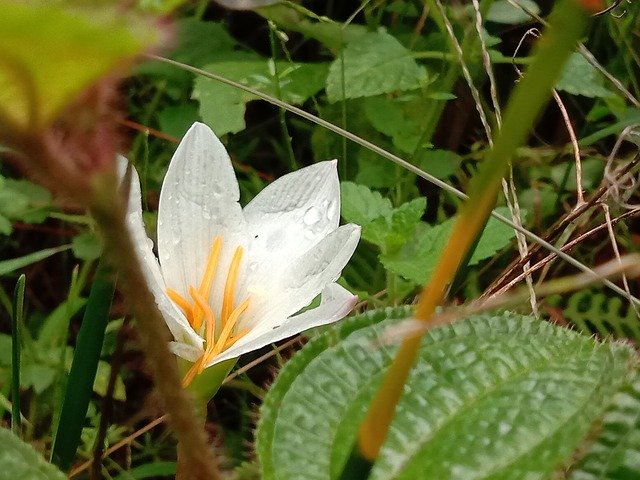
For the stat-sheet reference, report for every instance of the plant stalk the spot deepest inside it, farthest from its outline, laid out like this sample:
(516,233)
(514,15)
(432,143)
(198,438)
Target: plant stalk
(108,208)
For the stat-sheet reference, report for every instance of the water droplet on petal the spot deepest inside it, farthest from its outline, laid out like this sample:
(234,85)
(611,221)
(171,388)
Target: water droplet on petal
(206,215)
(311,216)
(309,235)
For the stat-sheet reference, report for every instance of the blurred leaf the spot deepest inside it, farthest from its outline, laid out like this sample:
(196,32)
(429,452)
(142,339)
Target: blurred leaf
(148,470)
(222,107)
(374,63)
(54,330)
(38,376)
(417,258)
(51,51)
(439,163)
(401,119)
(19,460)
(565,175)
(579,77)
(494,396)
(175,120)
(502,11)
(8,266)
(21,200)
(102,381)
(86,246)
(159,6)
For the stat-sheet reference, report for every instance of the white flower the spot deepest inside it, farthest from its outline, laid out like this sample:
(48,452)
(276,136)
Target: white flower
(231,280)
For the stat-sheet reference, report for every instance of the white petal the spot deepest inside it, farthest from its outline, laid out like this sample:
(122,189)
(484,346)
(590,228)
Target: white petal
(175,320)
(336,303)
(199,200)
(188,352)
(293,214)
(302,279)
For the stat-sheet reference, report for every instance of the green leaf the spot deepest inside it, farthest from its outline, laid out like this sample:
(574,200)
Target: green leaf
(361,205)
(82,376)
(21,200)
(176,119)
(222,107)
(382,225)
(102,381)
(86,246)
(374,63)
(501,11)
(36,375)
(615,452)
(51,51)
(417,259)
(391,232)
(19,460)
(593,311)
(402,119)
(155,469)
(579,77)
(491,397)
(439,163)
(8,266)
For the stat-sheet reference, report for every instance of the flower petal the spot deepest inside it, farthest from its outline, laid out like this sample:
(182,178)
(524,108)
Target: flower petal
(336,303)
(293,214)
(198,200)
(276,296)
(177,323)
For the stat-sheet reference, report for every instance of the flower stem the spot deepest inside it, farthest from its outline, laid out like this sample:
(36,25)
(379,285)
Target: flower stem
(108,208)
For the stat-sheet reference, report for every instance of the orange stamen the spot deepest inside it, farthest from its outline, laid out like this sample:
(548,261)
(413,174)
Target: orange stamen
(210,321)
(235,338)
(198,310)
(219,345)
(230,286)
(191,374)
(183,303)
(207,279)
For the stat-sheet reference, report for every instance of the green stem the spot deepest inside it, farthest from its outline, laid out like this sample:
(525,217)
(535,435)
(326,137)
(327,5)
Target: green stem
(278,89)
(567,22)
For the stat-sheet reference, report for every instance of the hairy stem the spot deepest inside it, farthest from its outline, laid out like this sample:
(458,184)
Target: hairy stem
(108,208)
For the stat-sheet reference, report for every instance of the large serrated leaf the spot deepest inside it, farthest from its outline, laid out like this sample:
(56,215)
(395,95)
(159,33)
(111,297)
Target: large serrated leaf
(20,461)
(615,453)
(491,397)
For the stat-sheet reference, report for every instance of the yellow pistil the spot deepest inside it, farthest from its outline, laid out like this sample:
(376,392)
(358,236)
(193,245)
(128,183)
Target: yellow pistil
(230,286)
(199,310)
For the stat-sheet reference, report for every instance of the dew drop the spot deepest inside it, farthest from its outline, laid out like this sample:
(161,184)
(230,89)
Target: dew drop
(206,215)
(311,216)
(309,235)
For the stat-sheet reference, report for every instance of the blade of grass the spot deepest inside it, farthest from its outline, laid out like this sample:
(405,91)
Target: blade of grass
(17,319)
(83,369)
(13,264)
